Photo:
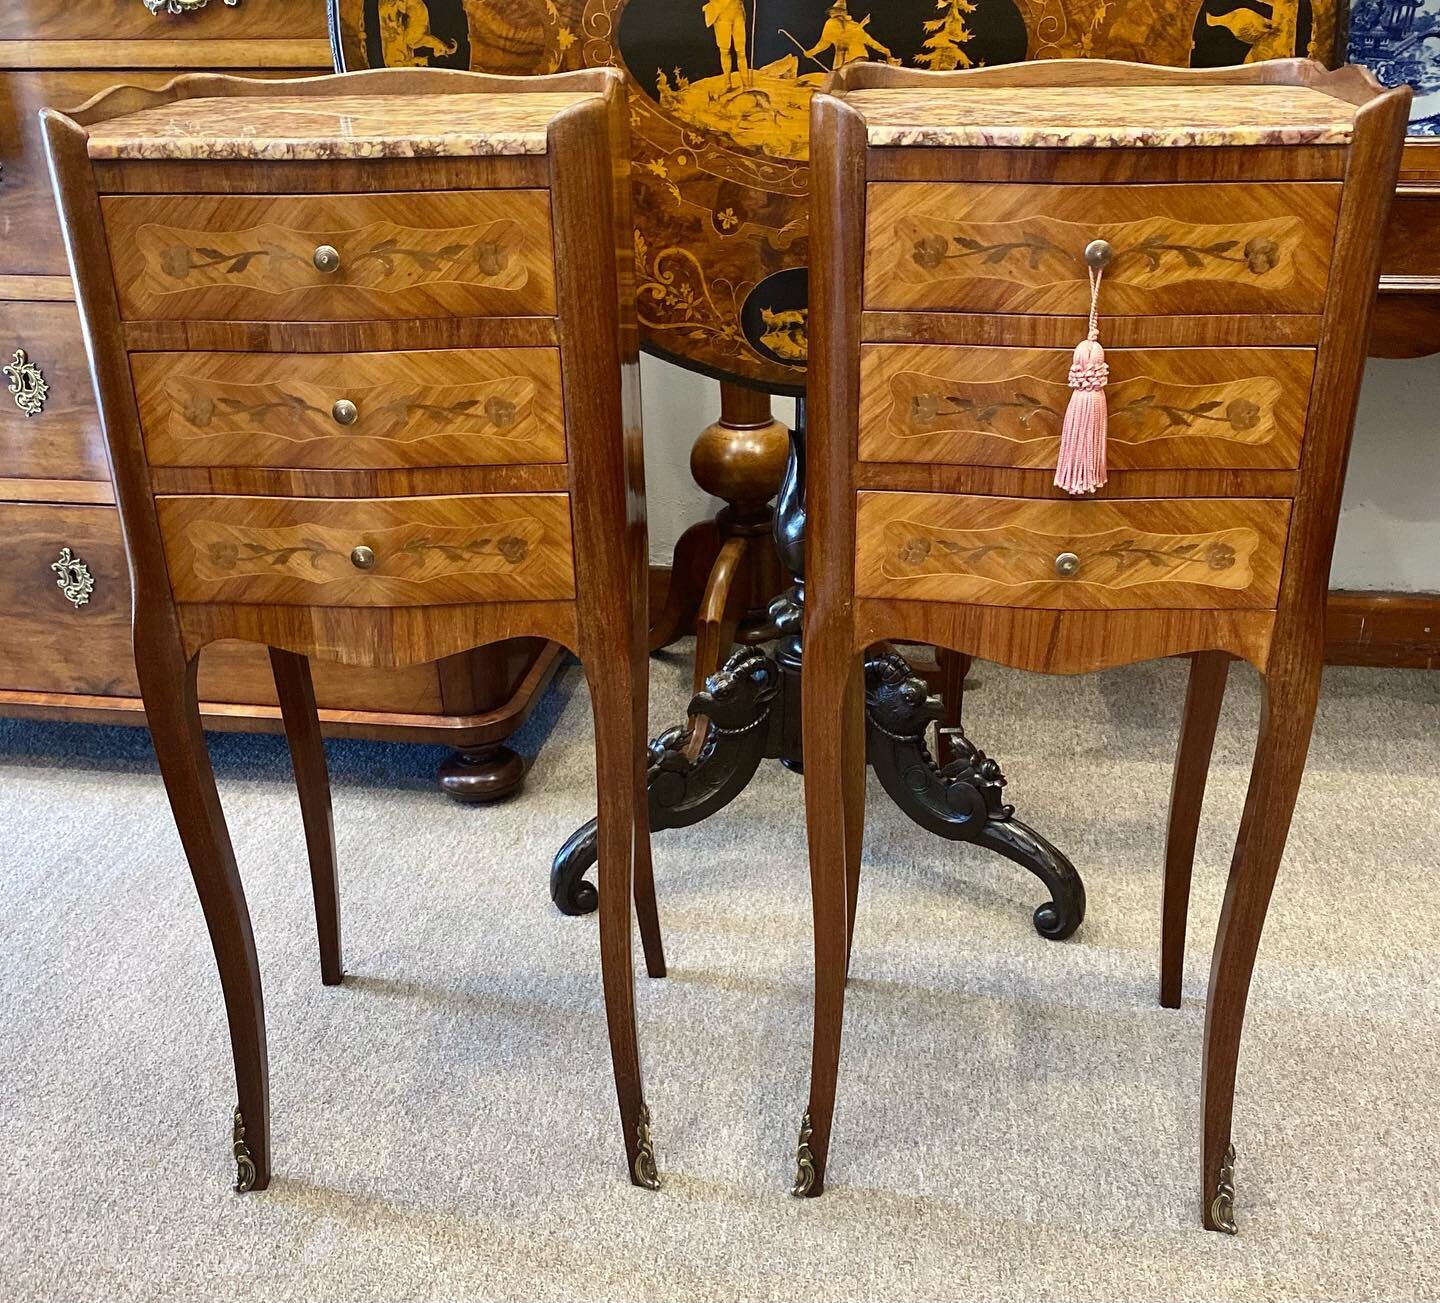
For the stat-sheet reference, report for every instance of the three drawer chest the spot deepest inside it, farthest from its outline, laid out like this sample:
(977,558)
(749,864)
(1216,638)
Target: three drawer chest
(1086,344)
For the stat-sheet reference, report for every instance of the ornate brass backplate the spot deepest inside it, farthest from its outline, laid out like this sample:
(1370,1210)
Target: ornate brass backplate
(27,383)
(74,577)
(646,1173)
(720,93)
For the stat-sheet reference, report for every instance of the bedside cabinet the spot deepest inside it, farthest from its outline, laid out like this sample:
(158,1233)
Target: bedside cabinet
(1221,232)
(366,360)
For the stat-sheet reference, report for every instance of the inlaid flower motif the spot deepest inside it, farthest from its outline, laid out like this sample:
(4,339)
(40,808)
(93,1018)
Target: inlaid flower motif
(513,549)
(1219,556)
(491,257)
(930,251)
(727,219)
(199,410)
(175,261)
(500,411)
(923,408)
(1262,254)
(914,550)
(1242,413)
(223,556)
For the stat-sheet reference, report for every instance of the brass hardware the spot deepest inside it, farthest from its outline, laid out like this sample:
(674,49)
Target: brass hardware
(244,1163)
(1098,253)
(180,6)
(1222,1206)
(27,384)
(75,579)
(804,1161)
(362,558)
(327,258)
(345,412)
(1067,564)
(646,1173)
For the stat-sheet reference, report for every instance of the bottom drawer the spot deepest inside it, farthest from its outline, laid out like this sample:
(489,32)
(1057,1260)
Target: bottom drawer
(1142,554)
(368,552)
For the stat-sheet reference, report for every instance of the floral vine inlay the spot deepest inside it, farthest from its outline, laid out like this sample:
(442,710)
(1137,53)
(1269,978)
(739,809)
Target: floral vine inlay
(1125,554)
(1240,414)
(227,555)
(1260,254)
(489,256)
(925,408)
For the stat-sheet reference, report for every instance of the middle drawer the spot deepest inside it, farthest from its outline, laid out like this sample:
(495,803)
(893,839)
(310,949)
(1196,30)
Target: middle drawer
(368,552)
(354,411)
(1169,408)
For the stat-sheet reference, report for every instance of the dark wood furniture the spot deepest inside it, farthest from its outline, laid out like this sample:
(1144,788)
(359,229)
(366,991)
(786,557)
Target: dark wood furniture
(65,596)
(421,283)
(950,289)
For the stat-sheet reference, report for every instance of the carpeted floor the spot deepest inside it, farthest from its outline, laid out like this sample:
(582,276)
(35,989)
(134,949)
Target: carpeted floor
(1017,1119)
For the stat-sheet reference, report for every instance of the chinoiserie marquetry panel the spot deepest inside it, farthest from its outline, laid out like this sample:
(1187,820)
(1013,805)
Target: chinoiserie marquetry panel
(719,94)
(368,552)
(356,411)
(1170,408)
(350,257)
(1190,249)
(49,429)
(1146,554)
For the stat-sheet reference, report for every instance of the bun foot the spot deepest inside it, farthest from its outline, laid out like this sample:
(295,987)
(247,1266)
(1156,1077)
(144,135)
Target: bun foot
(478,775)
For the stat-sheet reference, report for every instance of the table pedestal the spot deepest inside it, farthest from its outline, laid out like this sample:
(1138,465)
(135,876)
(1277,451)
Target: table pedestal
(749,711)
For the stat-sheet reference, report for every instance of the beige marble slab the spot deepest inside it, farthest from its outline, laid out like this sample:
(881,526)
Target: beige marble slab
(1104,117)
(282,128)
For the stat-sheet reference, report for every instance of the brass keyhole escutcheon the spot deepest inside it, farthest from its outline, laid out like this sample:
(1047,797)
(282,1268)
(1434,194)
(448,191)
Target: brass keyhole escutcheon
(1098,253)
(362,558)
(1067,564)
(345,412)
(327,258)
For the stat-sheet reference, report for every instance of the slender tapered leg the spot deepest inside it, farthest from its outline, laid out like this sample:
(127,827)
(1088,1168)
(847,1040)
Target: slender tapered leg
(616,683)
(1286,718)
(296,691)
(832,674)
(1203,699)
(647,912)
(172,710)
(854,768)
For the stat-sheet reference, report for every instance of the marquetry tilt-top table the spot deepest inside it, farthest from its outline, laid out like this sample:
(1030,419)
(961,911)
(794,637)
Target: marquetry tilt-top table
(720,95)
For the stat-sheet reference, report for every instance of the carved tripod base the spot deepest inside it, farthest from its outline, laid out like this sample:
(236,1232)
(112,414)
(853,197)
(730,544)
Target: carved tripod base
(749,712)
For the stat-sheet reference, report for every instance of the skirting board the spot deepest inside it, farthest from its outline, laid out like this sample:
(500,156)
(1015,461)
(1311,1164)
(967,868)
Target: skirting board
(1395,630)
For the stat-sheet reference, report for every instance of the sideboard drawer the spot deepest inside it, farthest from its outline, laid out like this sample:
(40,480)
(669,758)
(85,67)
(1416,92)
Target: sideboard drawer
(368,552)
(49,428)
(1170,408)
(66,629)
(356,411)
(332,257)
(1114,555)
(1192,249)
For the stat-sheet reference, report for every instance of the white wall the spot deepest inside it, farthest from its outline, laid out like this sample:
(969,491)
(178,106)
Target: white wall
(1389,526)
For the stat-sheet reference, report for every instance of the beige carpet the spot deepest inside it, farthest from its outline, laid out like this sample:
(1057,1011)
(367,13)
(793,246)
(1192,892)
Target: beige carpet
(1017,1119)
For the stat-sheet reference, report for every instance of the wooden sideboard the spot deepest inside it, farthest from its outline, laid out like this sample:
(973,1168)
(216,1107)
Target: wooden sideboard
(64,593)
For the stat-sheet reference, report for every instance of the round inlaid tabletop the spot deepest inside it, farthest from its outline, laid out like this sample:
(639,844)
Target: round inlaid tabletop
(720,93)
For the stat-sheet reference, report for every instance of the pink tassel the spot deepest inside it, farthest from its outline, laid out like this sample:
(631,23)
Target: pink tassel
(1080,467)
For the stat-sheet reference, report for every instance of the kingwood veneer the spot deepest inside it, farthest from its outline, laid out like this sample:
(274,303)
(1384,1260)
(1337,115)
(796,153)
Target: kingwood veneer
(378,502)
(943,315)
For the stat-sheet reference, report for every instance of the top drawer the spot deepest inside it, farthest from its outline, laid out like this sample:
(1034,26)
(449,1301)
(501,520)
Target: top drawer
(131,20)
(264,257)
(1179,249)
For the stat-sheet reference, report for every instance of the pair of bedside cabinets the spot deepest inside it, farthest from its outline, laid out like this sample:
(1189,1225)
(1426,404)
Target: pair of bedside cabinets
(366,362)
(365,352)
(1222,230)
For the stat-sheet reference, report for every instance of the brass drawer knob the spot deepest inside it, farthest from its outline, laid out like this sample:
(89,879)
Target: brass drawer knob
(345,412)
(1067,564)
(327,258)
(362,558)
(1098,253)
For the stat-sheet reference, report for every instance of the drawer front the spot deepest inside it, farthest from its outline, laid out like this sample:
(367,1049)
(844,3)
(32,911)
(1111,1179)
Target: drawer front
(1114,555)
(422,551)
(232,258)
(1170,408)
(1412,237)
(49,429)
(130,20)
(1190,249)
(361,411)
(51,642)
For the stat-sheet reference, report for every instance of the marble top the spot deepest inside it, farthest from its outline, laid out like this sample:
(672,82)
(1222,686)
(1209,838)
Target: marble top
(285,127)
(1098,117)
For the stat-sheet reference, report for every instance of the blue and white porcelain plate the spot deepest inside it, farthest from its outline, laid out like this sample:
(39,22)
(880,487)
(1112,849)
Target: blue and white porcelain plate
(1399,40)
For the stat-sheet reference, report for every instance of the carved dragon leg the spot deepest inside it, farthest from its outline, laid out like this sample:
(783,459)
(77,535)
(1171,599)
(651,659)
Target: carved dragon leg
(961,800)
